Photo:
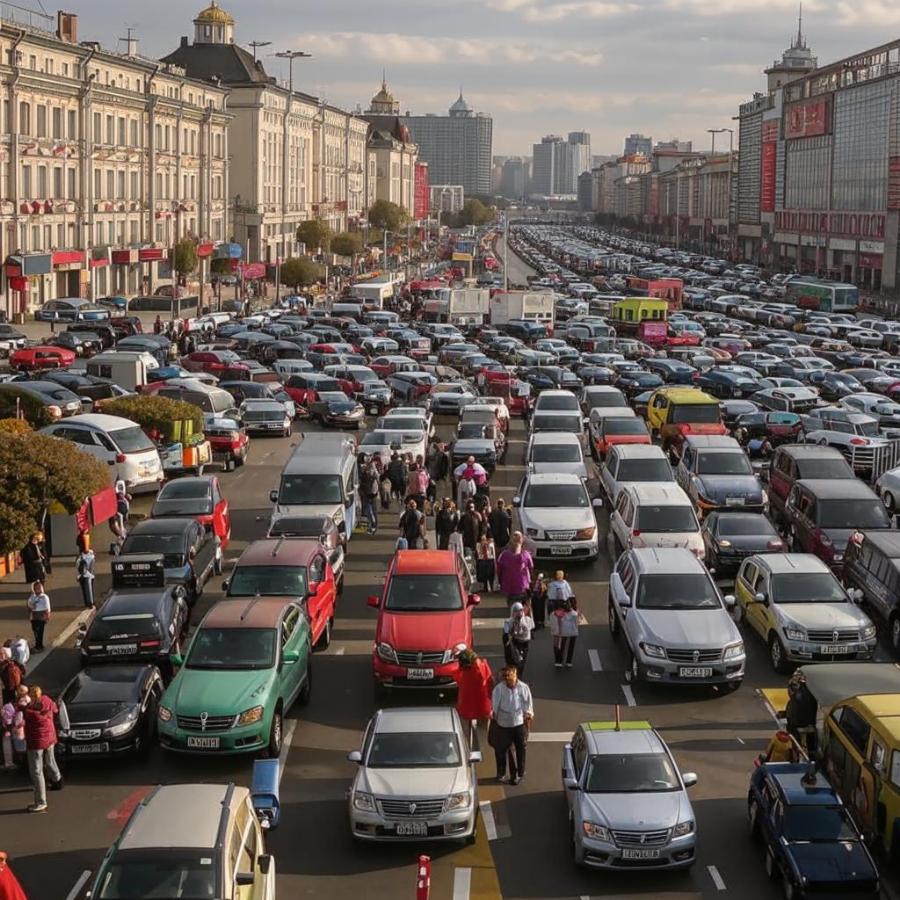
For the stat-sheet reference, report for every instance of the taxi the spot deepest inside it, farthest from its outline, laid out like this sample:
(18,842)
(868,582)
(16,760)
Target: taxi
(673,413)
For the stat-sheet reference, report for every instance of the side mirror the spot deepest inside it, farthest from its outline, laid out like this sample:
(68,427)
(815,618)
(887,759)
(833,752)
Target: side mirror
(244,879)
(273,496)
(597,503)
(571,784)
(474,599)
(689,779)
(192,553)
(373,600)
(759,597)
(475,756)
(729,600)
(517,501)
(355,756)
(342,525)
(291,656)
(225,584)
(176,659)
(264,860)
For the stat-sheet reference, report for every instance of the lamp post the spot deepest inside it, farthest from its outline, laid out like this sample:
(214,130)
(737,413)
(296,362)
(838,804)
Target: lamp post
(290,56)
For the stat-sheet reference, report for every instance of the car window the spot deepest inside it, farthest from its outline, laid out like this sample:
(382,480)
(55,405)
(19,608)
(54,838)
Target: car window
(288,624)
(636,773)
(317,569)
(853,726)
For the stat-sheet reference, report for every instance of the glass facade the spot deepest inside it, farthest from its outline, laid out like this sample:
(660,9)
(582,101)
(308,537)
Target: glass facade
(749,161)
(807,164)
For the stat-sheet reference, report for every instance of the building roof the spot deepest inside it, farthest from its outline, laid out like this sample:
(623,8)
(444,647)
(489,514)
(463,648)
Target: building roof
(227,63)
(214,15)
(460,106)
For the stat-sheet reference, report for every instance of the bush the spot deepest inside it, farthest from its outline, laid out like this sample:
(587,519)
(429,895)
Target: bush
(300,271)
(14,426)
(153,412)
(36,414)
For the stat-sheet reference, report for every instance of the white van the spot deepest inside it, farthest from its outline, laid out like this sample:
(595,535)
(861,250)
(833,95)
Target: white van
(655,515)
(287,367)
(127,368)
(119,442)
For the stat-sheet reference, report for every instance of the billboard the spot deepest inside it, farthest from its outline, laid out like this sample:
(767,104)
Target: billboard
(422,192)
(850,224)
(810,118)
(768,160)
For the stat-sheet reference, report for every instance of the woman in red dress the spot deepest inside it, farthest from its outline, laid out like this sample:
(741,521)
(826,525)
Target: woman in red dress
(476,681)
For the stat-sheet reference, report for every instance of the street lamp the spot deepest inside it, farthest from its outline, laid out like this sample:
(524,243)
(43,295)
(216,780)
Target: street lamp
(290,56)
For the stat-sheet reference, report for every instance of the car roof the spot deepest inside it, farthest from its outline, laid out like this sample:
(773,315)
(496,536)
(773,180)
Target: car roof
(638,451)
(554,478)
(630,738)
(279,552)
(712,442)
(838,488)
(163,525)
(810,451)
(198,824)
(790,563)
(106,683)
(134,601)
(658,493)
(251,612)
(887,542)
(789,778)
(677,560)
(415,719)
(555,437)
(685,395)
(425,562)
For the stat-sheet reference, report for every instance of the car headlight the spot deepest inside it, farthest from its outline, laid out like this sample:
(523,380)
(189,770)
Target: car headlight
(338,517)
(585,534)
(123,723)
(363,801)
(458,801)
(595,831)
(794,634)
(682,828)
(868,632)
(533,532)
(249,716)
(165,714)
(386,652)
(724,544)
(734,650)
(653,650)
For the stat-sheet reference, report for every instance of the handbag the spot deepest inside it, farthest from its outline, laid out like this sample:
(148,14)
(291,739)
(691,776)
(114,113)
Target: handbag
(42,615)
(493,735)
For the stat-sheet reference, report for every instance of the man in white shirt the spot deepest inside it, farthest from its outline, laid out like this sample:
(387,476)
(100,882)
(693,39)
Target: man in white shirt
(513,715)
(39,613)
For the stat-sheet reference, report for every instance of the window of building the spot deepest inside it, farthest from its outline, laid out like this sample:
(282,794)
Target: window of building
(135,188)
(57,182)
(48,66)
(32,61)
(110,130)
(60,235)
(133,232)
(120,185)
(110,184)
(72,125)
(26,182)
(70,184)
(41,121)
(65,69)
(158,136)
(135,141)
(121,124)
(56,123)
(48,237)
(98,128)
(24,118)
(99,229)
(35,237)
(98,184)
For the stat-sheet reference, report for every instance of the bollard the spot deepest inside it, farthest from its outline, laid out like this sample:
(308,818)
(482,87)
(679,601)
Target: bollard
(423,878)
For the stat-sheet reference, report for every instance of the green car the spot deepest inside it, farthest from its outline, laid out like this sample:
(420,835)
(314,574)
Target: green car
(246,664)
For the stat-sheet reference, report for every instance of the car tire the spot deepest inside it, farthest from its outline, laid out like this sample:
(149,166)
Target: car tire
(889,503)
(276,735)
(615,628)
(470,840)
(325,637)
(771,865)
(894,631)
(618,549)
(732,686)
(218,562)
(753,819)
(633,675)
(305,694)
(777,655)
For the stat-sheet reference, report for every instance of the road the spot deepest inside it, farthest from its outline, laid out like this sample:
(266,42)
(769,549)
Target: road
(518,269)
(522,848)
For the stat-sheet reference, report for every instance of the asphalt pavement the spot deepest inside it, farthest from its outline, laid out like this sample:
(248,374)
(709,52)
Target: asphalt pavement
(522,850)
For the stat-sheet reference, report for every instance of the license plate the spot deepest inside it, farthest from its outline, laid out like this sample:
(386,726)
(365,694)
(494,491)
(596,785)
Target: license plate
(420,674)
(835,649)
(373,410)
(87,749)
(121,649)
(417,829)
(560,551)
(203,743)
(734,501)
(640,854)
(695,671)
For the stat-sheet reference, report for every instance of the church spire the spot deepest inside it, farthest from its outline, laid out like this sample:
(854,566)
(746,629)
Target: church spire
(799,43)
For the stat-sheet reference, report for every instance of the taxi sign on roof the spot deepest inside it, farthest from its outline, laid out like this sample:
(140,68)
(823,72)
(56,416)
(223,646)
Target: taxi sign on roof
(611,726)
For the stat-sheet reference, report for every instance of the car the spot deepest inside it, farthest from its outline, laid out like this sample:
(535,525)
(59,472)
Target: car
(676,625)
(552,420)
(606,432)
(424,620)
(450,397)
(775,427)
(295,568)
(886,411)
(228,440)
(810,839)
(556,517)
(70,309)
(716,473)
(792,462)
(555,401)
(38,357)
(189,553)
(318,527)
(212,705)
(197,496)
(266,417)
(415,778)
(337,409)
(92,390)
(801,611)
(426,418)
(730,537)
(111,711)
(654,515)
(555,452)
(857,435)
(629,463)
(81,343)
(627,800)
(835,386)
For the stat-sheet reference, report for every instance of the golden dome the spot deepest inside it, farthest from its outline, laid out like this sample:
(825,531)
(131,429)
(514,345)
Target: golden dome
(214,15)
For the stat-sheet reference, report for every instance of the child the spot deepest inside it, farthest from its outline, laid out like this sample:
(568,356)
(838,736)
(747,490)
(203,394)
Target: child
(12,726)
(558,590)
(485,566)
(564,628)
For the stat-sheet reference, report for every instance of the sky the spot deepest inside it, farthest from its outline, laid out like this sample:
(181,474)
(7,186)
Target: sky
(663,68)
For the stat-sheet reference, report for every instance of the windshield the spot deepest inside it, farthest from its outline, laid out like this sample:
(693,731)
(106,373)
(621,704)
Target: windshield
(731,463)
(160,874)
(105,628)
(625,425)
(807,587)
(644,470)
(825,468)
(817,824)
(423,593)
(569,453)
(560,496)
(170,545)
(739,524)
(689,591)
(268,581)
(310,489)
(556,423)
(665,519)
(185,498)
(695,413)
(869,429)
(413,750)
(857,514)
(605,400)
(557,403)
(131,440)
(637,773)
(233,648)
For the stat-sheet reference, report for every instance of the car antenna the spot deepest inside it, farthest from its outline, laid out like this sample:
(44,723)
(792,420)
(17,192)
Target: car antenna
(277,546)
(618,719)
(809,776)
(250,606)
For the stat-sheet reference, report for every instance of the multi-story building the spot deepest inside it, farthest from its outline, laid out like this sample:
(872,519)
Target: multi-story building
(674,144)
(457,147)
(558,162)
(516,177)
(578,157)
(447,198)
(638,144)
(106,159)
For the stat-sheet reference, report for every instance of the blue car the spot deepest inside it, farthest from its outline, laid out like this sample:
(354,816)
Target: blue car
(70,309)
(117,303)
(812,844)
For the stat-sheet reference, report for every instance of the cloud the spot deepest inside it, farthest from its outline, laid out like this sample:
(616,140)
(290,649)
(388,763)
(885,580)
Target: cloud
(868,12)
(537,11)
(718,8)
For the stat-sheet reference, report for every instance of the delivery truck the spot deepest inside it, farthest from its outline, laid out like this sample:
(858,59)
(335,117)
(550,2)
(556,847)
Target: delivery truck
(373,293)
(532,306)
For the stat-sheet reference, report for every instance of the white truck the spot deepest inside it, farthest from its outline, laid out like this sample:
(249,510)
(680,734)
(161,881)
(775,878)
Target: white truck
(462,306)
(533,306)
(373,293)
(126,368)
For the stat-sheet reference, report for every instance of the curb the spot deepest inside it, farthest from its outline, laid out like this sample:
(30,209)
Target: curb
(35,660)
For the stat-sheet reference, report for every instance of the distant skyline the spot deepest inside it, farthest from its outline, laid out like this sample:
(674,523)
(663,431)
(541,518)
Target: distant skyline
(657,67)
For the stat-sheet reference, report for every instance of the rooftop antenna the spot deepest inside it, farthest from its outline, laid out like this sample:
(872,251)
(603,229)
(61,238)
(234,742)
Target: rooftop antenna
(800,26)
(130,40)
(255,44)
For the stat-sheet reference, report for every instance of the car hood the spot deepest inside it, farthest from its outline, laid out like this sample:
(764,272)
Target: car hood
(638,812)
(218,692)
(717,486)
(82,713)
(412,783)
(314,509)
(689,628)
(546,517)
(426,630)
(844,861)
(824,615)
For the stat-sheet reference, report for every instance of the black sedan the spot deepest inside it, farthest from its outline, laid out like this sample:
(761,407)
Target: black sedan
(112,710)
(337,409)
(729,537)
(672,371)
(632,382)
(594,374)
(834,386)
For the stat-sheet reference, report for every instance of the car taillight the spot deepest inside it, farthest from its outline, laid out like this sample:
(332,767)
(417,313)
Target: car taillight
(120,457)
(635,532)
(858,441)
(148,645)
(775,545)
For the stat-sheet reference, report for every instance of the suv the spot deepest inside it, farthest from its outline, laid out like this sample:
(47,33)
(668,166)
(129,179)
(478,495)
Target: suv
(872,575)
(248,661)
(630,463)
(655,515)
(822,514)
(855,434)
(716,474)
(795,461)
(797,606)
(675,412)
(424,620)
(676,625)
(213,848)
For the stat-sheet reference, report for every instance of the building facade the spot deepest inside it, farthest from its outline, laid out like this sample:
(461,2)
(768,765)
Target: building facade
(637,144)
(447,198)
(558,162)
(457,147)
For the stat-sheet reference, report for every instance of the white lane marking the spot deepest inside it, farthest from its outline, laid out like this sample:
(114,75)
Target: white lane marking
(285,748)
(740,740)
(629,695)
(550,737)
(594,657)
(82,880)
(36,659)
(718,881)
(462,884)
(340,651)
(487,816)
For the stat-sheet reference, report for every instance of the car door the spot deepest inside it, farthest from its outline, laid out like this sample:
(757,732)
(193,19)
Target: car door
(295,635)
(320,597)
(685,467)
(745,590)
(203,543)
(574,757)
(608,473)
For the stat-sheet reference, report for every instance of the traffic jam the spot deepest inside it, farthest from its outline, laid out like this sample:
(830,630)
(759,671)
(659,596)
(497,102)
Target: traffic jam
(701,462)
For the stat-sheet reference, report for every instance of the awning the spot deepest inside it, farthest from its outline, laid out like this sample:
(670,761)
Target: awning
(67,257)
(125,257)
(204,250)
(150,254)
(228,251)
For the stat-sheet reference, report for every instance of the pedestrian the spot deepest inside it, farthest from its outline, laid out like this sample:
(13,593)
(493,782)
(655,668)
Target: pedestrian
(465,491)
(801,713)
(438,464)
(412,526)
(10,889)
(398,473)
(475,681)
(500,523)
(20,650)
(417,485)
(84,571)
(40,740)
(11,674)
(514,568)
(512,717)
(471,527)
(564,629)
(12,725)
(517,637)
(34,560)
(558,590)
(39,614)
(538,600)
(119,522)
(485,563)
(445,523)
(157,325)
(369,489)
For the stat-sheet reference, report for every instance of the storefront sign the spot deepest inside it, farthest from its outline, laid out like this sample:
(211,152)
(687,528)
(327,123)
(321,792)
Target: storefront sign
(870,260)
(37,264)
(150,254)
(810,118)
(871,247)
(422,192)
(851,224)
(769,130)
(253,270)
(767,177)
(842,244)
(125,257)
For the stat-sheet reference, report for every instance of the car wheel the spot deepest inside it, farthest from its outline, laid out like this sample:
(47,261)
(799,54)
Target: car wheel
(614,628)
(634,670)
(305,694)
(470,839)
(577,852)
(790,889)
(217,561)
(777,655)
(771,865)
(753,819)
(276,735)
(732,686)
(895,634)
(325,637)
(889,502)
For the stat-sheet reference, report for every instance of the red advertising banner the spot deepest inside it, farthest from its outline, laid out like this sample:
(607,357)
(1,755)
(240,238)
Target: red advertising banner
(893,198)
(767,177)
(808,119)
(849,224)
(770,130)
(422,192)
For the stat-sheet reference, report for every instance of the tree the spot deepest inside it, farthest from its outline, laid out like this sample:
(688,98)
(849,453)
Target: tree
(474,212)
(300,271)
(315,235)
(185,257)
(155,413)
(347,243)
(15,401)
(387,216)
(36,473)
(221,267)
